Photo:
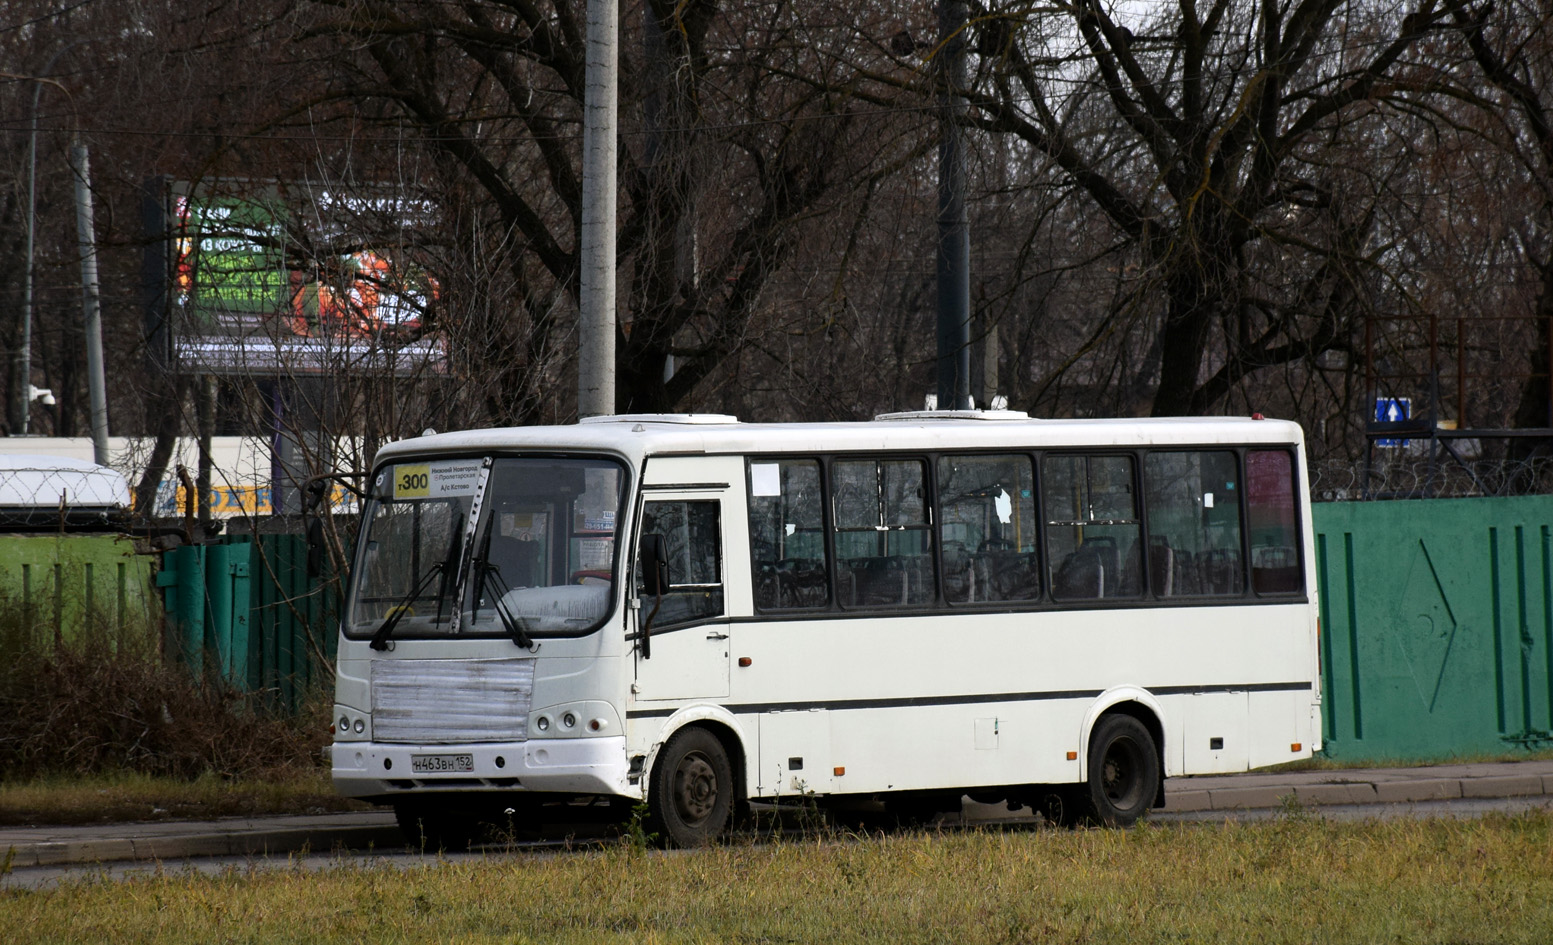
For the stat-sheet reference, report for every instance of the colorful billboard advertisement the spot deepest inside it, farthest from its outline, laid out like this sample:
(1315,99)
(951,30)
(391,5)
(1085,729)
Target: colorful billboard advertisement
(258,291)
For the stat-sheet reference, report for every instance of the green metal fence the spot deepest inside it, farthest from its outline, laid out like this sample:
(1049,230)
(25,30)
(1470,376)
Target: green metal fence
(1437,626)
(65,584)
(247,611)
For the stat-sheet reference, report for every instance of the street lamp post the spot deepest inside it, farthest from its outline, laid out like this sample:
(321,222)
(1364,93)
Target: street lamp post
(21,396)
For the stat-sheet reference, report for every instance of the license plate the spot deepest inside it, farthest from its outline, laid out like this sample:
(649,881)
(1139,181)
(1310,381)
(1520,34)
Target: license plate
(433,764)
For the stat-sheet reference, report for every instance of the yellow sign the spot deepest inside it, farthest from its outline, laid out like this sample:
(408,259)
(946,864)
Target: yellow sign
(412,481)
(227,501)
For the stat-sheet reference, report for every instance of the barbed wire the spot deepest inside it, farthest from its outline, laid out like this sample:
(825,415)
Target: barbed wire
(38,497)
(1412,477)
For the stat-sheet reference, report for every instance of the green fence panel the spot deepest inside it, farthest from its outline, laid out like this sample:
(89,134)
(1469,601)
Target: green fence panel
(1437,626)
(227,580)
(291,643)
(188,623)
(247,609)
(61,585)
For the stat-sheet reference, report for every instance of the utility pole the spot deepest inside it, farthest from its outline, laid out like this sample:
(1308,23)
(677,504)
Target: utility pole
(954,238)
(21,394)
(91,308)
(596,302)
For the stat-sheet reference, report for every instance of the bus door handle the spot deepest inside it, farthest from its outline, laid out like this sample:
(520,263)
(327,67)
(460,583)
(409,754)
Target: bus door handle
(717,635)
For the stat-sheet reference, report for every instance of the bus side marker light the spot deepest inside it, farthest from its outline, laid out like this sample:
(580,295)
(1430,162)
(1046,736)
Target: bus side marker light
(745,661)
(1296,746)
(1072,756)
(839,771)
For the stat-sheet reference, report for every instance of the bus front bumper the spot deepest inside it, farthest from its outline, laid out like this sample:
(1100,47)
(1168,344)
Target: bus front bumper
(553,765)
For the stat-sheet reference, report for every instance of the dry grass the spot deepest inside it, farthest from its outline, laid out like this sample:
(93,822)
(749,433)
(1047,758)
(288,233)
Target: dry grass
(1320,763)
(132,796)
(101,727)
(1298,880)
(107,701)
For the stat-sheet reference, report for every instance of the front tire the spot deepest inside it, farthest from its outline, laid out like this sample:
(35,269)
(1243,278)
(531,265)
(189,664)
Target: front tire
(1123,771)
(690,795)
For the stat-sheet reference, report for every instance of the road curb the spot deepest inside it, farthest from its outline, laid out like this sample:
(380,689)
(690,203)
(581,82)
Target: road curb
(215,843)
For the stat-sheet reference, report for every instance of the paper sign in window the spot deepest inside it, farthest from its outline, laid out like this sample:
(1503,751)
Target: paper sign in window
(765,479)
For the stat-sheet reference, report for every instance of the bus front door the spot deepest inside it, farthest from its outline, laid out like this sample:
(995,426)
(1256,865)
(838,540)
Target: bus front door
(682,635)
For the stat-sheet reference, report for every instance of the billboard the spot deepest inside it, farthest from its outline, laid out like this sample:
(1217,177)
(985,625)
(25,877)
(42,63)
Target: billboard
(296,281)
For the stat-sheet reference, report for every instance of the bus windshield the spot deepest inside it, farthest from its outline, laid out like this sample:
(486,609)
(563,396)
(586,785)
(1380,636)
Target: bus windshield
(541,562)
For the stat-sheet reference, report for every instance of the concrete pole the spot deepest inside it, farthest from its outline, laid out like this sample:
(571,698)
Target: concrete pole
(954,237)
(90,303)
(21,404)
(596,327)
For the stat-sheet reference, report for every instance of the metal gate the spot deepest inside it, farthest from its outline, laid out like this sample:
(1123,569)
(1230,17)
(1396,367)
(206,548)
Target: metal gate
(1437,626)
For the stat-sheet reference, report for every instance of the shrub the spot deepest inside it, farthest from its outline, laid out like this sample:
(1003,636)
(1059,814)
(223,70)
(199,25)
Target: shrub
(107,700)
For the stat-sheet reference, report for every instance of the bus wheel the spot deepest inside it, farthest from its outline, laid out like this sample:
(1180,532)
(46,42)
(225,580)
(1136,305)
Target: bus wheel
(1061,805)
(432,830)
(690,797)
(1123,771)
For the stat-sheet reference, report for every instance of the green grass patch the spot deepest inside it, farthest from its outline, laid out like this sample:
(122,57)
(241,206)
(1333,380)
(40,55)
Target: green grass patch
(127,796)
(1294,880)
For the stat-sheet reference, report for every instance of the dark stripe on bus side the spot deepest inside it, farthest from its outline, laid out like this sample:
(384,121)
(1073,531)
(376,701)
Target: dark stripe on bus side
(911,702)
(996,610)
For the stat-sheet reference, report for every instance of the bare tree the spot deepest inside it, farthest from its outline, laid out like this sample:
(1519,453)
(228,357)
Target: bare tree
(1215,146)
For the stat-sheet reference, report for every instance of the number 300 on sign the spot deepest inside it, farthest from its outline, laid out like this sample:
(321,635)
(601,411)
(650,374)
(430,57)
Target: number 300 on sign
(412,482)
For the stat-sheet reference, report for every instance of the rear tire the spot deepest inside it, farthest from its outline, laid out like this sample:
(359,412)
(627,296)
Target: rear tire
(1063,805)
(690,794)
(1123,771)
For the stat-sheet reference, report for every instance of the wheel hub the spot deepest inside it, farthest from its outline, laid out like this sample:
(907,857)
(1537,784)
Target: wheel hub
(695,788)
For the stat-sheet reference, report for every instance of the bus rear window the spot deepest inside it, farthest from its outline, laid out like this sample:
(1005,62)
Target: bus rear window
(1271,518)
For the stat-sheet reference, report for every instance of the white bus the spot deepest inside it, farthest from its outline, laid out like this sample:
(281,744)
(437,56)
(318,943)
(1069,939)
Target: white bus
(693,612)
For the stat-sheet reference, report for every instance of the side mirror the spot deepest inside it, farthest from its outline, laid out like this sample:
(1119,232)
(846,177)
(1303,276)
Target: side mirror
(315,548)
(653,556)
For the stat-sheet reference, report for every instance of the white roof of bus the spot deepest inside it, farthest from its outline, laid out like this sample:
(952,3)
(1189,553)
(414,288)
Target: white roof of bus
(639,435)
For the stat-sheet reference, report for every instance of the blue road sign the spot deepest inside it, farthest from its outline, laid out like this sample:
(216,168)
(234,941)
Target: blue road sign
(1392,410)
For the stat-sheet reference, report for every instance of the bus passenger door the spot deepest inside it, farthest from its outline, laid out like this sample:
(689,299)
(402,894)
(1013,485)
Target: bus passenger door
(682,635)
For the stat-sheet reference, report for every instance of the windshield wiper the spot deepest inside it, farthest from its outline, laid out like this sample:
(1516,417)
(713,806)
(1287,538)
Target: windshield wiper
(380,638)
(514,625)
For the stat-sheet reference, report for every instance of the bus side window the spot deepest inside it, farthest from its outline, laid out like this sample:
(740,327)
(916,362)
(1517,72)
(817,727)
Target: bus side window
(884,546)
(692,539)
(987,506)
(787,535)
(1091,526)
(1271,520)
(1194,523)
